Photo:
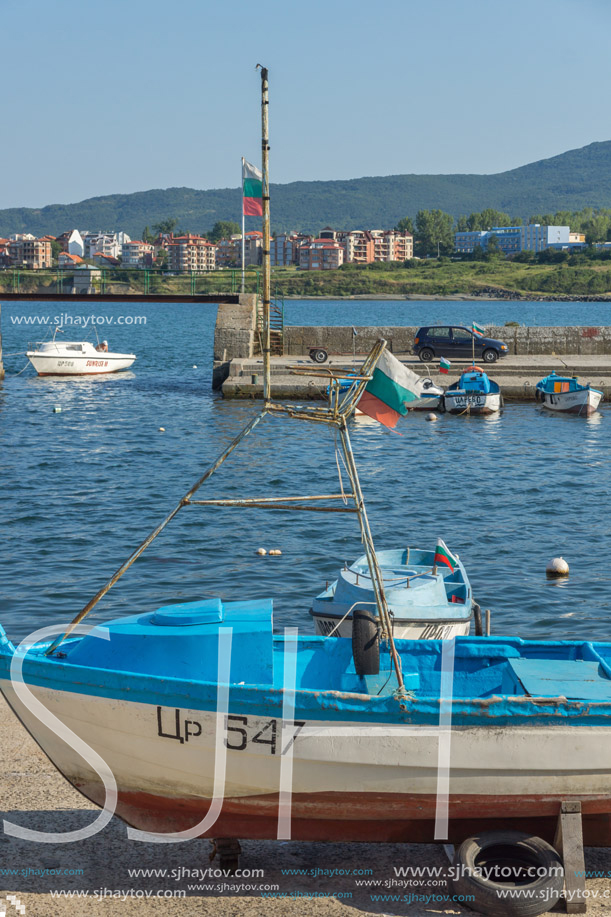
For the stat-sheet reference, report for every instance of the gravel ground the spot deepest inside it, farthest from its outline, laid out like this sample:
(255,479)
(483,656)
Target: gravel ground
(34,795)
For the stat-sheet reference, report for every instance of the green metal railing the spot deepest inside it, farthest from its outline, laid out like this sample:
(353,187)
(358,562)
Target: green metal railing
(130,282)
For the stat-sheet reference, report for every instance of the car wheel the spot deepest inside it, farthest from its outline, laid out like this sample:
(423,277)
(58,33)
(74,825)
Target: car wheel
(319,355)
(426,354)
(490,355)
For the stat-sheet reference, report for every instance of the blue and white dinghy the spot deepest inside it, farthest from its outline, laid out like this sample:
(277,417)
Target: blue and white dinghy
(474,393)
(568,395)
(428,594)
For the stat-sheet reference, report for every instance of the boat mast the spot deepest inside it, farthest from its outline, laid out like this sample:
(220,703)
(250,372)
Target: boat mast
(265,336)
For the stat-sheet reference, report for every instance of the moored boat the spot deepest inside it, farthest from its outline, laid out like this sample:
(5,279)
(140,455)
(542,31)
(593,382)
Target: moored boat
(76,358)
(428,600)
(565,393)
(474,393)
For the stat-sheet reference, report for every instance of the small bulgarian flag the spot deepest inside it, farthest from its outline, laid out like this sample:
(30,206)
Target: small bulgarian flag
(252,190)
(443,555)
(444,365)
(477,329)
(390,390)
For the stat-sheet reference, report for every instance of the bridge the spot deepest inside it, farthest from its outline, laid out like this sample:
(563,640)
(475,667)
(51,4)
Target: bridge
(237,322)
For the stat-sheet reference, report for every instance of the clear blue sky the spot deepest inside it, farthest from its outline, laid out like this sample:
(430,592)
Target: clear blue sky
(129,95)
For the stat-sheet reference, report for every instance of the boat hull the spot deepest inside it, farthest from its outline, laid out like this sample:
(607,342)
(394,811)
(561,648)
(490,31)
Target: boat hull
(472,402)
(324,624)
(584,402)
(352,780)
(54,365)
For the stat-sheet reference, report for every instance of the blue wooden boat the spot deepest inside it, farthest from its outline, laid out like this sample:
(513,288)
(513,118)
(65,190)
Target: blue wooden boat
(192,709)
(426,601)
(566,394)
(474,393)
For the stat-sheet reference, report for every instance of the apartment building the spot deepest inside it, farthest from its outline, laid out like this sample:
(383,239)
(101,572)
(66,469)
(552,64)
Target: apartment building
(106,243)
(33,254)
(285,248)
(390,245)
(321,255)
(512,239)
(229,252)
(135,253)
(191,253)
(358,246)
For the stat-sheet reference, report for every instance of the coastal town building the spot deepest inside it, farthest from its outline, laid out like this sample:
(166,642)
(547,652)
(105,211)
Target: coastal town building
(191,253)
(285,248)
(65,260)
(30,253)
(136,253)
(391,245)
(512,239)
(228,251)
(106,243)
(5,258)
(358,246)
(106,261)
(322,254)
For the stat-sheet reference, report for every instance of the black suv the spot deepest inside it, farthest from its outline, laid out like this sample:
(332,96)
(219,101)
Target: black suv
(456,341)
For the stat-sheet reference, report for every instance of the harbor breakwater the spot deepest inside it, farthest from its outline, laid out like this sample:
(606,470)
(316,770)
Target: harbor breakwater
(533,352)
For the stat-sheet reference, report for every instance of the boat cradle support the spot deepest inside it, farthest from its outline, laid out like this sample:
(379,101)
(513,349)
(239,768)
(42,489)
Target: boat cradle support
(569,844)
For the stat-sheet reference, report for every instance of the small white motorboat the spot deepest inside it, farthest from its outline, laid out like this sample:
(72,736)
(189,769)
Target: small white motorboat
(565,393)
(428,594)
(76,358)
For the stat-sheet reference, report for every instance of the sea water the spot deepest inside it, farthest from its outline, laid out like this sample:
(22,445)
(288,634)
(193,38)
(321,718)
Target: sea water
(82,487)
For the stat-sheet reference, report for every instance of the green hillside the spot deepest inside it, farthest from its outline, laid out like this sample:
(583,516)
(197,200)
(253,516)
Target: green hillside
(576,179)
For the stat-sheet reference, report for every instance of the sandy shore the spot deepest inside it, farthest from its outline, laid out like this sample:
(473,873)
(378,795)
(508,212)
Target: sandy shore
(34,795)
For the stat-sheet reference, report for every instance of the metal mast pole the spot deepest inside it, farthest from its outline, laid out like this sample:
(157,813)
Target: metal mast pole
(265,336)
(243,229)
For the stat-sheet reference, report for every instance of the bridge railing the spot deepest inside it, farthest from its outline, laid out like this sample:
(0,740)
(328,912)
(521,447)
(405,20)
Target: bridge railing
(127,282)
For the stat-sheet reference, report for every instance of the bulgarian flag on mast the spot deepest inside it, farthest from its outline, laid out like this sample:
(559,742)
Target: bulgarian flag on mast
(444,365)
(477,329)
(387,395)
(444,556)
(252,190)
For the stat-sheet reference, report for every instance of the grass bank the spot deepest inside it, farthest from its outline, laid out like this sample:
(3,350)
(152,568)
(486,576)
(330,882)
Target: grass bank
(435,278)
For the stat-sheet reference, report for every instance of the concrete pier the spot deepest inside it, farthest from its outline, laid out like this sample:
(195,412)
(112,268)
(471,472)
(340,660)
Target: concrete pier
(516,375)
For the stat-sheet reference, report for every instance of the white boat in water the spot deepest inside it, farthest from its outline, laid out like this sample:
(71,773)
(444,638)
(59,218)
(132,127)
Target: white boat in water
(565,393)
(428,600)
(474,393)
(76,358)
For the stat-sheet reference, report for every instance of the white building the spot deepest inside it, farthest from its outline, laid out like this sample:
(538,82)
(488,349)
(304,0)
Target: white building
(105,243)
(76,246)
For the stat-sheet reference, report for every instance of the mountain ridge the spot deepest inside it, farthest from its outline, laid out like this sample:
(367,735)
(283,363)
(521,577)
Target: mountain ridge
(568,181)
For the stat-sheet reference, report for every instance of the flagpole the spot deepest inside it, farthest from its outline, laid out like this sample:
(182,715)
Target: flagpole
(266,234)
(243,227)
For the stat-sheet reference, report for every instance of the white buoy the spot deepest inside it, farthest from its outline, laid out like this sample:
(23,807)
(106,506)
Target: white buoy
(195,366)
(276,552)
(162,429)
(557,567)
(431,416)
(57,409)
(262,551)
